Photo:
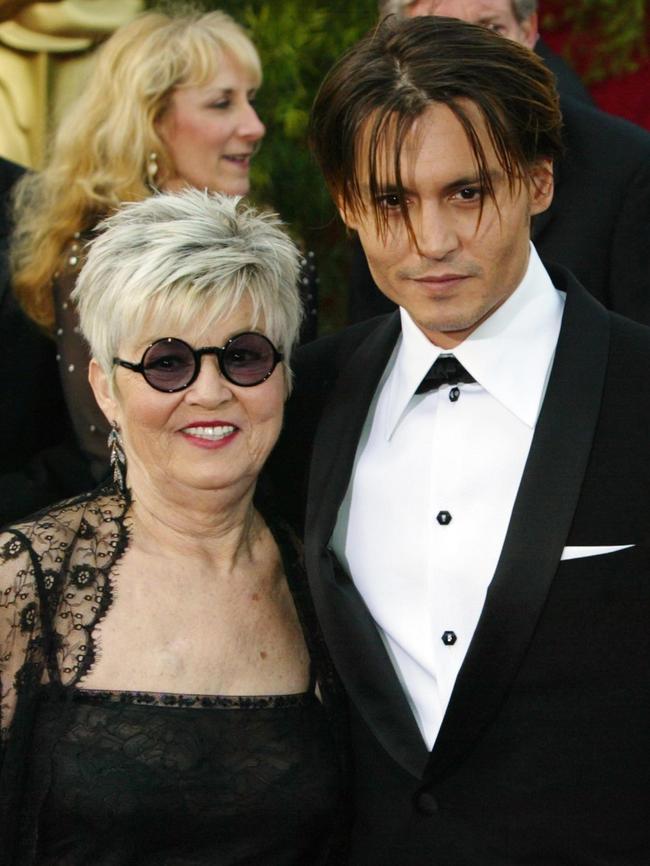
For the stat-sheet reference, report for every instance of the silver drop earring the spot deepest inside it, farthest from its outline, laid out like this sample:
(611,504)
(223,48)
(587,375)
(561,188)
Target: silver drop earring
(117,458)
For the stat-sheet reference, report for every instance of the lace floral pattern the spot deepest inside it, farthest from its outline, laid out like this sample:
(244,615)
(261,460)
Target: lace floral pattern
(54,588)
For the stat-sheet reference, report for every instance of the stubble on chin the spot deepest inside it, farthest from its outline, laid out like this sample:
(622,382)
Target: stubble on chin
(449,325)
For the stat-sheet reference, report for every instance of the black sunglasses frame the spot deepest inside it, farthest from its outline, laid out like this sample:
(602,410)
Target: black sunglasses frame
(218,351)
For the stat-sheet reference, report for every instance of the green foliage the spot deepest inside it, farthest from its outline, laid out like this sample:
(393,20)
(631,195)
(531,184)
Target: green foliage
(607,37)
(298,41)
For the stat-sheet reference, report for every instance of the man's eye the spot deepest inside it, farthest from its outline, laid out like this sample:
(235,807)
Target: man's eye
(496,28)
(389,201)
(470,193)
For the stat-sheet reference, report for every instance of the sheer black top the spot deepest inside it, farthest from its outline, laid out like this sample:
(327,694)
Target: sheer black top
(123,778)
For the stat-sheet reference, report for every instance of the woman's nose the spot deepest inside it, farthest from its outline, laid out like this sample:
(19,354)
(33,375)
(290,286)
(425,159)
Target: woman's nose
(210,387)
(251,127)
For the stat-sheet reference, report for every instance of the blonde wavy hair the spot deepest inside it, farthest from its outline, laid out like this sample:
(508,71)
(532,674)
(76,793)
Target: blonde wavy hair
(100,152)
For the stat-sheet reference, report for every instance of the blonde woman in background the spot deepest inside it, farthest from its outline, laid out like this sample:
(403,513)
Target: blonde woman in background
(169,105)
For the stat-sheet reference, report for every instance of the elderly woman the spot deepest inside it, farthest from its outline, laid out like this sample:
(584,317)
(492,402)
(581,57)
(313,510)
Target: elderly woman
(165,694)
(169,105)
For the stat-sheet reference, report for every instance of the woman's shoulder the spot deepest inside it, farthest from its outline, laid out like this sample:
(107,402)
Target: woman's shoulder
(96,519)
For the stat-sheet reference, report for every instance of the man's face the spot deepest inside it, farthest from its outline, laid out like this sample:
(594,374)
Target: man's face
(497,15)
(463,266)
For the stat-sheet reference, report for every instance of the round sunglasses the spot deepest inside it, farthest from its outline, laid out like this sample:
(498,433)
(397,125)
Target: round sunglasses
(171,364)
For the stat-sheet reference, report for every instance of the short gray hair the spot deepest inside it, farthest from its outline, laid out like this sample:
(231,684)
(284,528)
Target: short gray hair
(176,260)
(522,8)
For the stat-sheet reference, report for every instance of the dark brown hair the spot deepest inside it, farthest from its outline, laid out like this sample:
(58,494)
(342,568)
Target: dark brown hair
(394,73)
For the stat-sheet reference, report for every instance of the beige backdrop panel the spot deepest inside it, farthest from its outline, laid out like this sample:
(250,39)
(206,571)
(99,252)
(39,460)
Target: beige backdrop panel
(45,52)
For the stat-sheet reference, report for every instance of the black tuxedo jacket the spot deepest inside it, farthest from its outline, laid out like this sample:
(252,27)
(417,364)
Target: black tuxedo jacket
(598,225)
(544,752)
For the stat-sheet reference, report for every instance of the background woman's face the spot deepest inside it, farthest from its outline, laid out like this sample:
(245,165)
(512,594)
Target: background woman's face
(211,132)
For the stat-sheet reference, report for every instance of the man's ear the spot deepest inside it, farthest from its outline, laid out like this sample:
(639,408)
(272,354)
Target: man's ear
(540,186)
(348,217)
(529,31)
(102,390)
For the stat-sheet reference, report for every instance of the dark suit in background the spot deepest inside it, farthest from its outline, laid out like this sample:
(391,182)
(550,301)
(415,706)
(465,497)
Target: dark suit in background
(543,753)
(568,82)
(39,461)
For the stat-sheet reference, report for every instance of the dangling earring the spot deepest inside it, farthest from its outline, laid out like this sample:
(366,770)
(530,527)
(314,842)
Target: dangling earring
(152,170)
(118,458)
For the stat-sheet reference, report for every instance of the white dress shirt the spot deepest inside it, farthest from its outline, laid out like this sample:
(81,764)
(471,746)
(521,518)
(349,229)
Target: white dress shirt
(424,577)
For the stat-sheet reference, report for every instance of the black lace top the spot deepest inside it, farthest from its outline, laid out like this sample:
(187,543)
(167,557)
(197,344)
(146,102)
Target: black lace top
(122,778)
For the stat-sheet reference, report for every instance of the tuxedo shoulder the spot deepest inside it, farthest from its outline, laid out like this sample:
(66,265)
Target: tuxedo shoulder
(326,356)
(630,344)
(628,328)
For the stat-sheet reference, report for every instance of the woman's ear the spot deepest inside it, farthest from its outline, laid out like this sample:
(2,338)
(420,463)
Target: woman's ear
(102,390)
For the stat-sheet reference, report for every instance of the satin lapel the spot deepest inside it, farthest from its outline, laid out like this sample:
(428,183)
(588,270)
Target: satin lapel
(540,523)
(340,427)
(350,631)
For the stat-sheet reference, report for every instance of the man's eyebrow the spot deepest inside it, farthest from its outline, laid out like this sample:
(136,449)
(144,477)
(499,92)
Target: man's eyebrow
(494,175)
(383,189)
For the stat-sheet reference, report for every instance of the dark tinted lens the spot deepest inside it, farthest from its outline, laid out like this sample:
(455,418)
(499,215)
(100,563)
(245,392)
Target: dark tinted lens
(249,359)
(169,365)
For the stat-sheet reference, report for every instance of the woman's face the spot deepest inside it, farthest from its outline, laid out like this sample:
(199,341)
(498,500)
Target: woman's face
(211,436)
(211,132)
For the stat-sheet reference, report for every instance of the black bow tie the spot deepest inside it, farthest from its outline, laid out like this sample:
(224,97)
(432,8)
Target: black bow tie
(447,370)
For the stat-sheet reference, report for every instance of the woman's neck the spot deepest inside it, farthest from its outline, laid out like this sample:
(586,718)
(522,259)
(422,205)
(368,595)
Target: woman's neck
(212,525)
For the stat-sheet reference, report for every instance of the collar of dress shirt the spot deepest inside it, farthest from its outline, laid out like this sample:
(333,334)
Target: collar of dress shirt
(509,354)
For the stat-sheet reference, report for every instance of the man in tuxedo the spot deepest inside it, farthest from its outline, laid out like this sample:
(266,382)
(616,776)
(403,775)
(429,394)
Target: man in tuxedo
(598,224)
(478,508)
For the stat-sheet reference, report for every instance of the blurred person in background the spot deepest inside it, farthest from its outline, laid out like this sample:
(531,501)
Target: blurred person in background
(516,19)
(598,224)
(165,695)
(38,453)
(169,104)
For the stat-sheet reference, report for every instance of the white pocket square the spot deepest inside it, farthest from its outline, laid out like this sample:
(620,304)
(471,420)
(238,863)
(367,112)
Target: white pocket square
(580,552)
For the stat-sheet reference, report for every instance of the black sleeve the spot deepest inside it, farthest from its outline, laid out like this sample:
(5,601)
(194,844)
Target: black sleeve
(40,461)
